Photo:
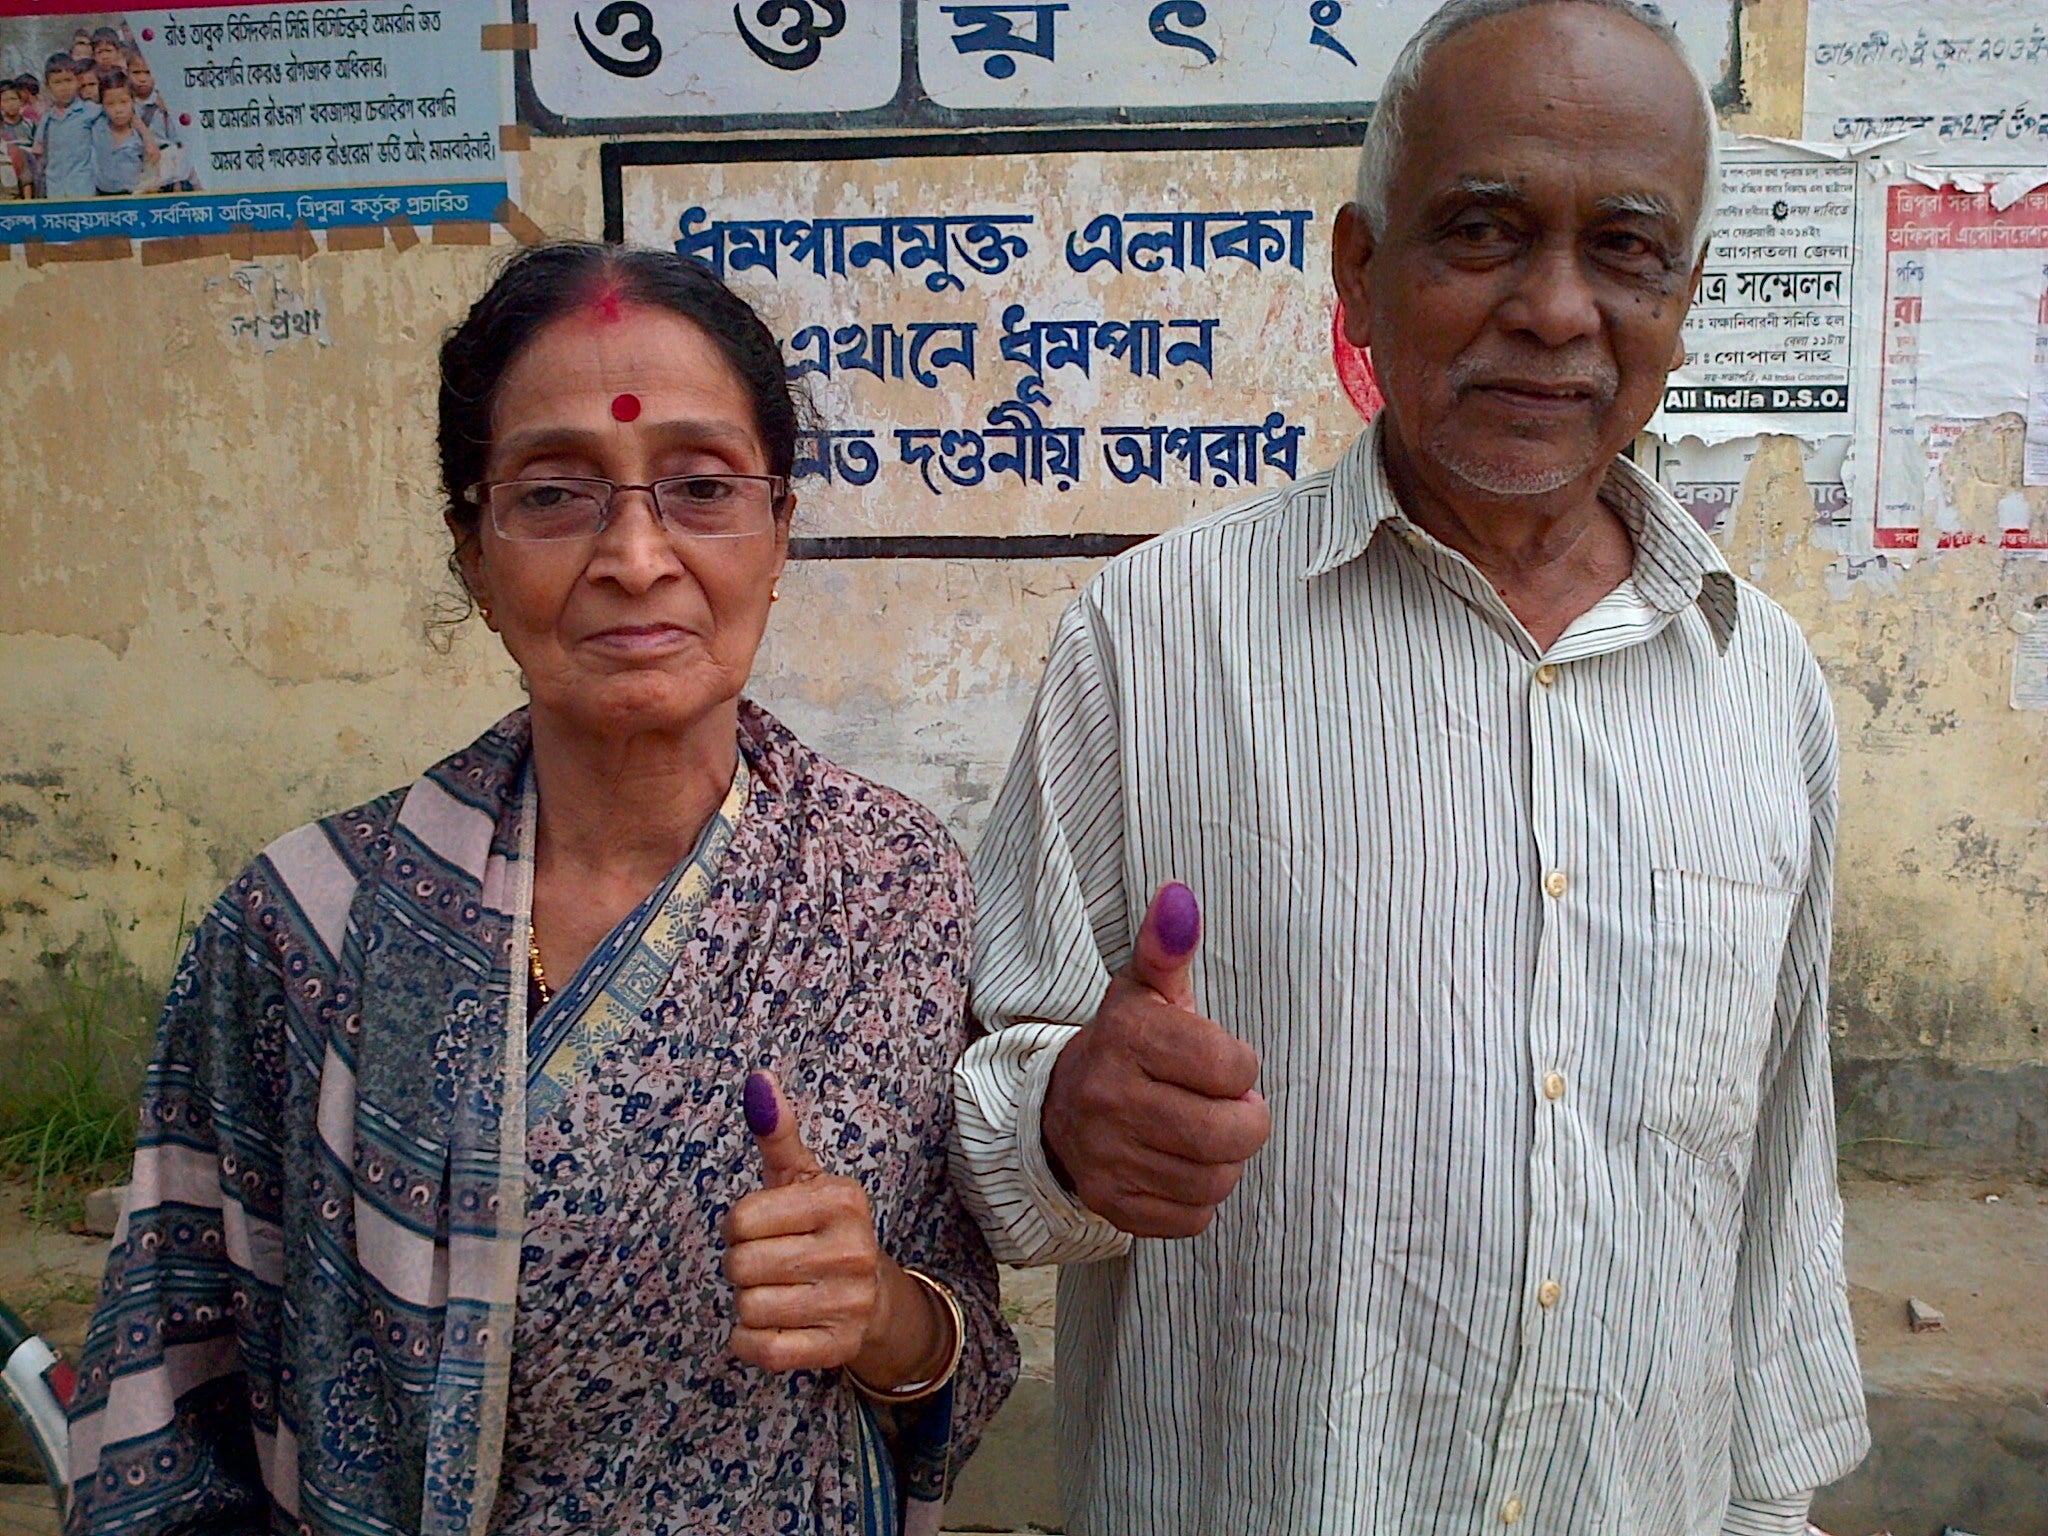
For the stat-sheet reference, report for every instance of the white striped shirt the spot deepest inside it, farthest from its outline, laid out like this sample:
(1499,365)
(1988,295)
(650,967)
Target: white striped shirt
(1533,949)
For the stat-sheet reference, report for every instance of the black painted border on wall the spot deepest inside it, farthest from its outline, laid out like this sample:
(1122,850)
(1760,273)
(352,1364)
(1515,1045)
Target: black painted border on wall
(947,546)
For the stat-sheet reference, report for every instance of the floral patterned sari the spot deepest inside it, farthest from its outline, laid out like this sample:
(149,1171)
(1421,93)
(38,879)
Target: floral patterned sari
(397,1262)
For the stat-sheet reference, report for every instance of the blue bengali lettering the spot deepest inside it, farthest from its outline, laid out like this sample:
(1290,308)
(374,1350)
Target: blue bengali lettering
(1042,346)
(992,30)
(1156,242)
(160,217)
(1222,455)
(847,455)
(983,243)
(918,351)
(1016,441)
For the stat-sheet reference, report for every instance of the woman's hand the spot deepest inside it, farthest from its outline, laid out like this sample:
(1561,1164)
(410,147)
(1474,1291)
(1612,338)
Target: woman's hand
(813,1290)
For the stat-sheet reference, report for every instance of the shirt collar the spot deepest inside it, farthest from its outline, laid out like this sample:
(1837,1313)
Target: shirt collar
(1677,565)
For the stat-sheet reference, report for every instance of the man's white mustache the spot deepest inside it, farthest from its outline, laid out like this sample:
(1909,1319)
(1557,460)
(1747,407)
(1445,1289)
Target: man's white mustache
(1595,379)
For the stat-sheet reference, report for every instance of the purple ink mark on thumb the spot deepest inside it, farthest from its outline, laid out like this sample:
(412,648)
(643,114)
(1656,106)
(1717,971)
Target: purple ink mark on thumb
(1177,919)
(759,1099)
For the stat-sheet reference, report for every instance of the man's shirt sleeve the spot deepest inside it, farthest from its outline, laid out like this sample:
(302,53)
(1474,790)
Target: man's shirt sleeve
(1053,921)
(1799,1415)
(1767,1517)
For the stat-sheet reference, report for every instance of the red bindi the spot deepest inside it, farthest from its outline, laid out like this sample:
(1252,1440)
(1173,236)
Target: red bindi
(625,408)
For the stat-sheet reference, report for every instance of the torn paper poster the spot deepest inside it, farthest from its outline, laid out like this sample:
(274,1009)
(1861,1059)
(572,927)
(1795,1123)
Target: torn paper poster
(1707,478)
(1768,341)
(1965,302)
(2006,187)
(1938,438)
(1979,314)
(2035,471)
(2030,668)
(1826,463)
(1968,78)
(1817,149)
(2014,185)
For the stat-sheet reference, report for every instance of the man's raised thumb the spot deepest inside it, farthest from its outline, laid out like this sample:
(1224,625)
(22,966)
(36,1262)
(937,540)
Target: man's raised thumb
(784,1157)
(1167,941)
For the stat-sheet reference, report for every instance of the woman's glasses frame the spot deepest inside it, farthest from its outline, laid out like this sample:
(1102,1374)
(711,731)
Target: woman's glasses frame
(487,495)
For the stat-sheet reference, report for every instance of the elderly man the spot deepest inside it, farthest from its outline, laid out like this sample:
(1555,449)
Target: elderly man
(1510,814)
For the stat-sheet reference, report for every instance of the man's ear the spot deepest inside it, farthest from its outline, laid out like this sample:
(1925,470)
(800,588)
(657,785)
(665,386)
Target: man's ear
(1351,252)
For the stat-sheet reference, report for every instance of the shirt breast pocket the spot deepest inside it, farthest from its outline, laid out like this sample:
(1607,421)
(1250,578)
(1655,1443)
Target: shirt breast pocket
(1717,948)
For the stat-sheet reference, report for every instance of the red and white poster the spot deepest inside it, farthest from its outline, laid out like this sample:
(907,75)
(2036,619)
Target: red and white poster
(1965,315)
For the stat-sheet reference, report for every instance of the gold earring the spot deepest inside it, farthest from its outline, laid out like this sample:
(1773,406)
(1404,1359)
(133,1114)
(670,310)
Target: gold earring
(484,609)
(775,594)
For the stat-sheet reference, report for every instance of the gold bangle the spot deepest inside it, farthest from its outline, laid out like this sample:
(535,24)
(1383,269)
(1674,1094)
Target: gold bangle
(918,1391)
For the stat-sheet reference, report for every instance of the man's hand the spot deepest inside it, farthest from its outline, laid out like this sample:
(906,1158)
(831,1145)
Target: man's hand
(1150,1112)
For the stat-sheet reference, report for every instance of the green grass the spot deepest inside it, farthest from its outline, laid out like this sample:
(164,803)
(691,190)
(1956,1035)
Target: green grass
(68,1101)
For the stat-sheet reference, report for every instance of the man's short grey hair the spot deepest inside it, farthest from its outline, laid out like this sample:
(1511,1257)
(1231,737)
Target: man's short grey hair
(1381,157)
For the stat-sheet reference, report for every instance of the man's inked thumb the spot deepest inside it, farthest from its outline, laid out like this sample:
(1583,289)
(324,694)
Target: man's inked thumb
(784,1157)
(1166,945)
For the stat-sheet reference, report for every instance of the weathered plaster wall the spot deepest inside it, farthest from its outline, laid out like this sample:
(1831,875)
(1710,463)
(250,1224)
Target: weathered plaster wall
(1941,939)
(219,567)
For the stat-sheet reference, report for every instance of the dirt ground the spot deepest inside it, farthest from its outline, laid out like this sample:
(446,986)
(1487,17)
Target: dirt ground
(50,1278)
(1977,1252)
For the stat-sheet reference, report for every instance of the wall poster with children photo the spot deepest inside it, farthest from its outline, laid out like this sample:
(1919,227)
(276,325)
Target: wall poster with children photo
(209,120)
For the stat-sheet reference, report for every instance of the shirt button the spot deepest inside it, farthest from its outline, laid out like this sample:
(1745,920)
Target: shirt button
(1548,1294)
(1553,1085)
(1546,674)
(1511,1512)
(1556,882)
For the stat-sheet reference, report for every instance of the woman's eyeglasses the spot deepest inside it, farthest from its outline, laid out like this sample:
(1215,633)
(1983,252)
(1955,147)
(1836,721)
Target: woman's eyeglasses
(687,506)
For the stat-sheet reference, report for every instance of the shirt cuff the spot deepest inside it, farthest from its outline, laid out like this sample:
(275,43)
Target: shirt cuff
(1001,1168)
(1055,1204)
(1767,1517)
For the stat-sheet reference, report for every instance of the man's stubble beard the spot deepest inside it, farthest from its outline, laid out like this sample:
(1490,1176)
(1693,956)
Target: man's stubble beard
(1494,478)
(1497,479)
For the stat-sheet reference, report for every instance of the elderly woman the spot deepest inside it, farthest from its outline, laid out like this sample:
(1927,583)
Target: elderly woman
(559,1142)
